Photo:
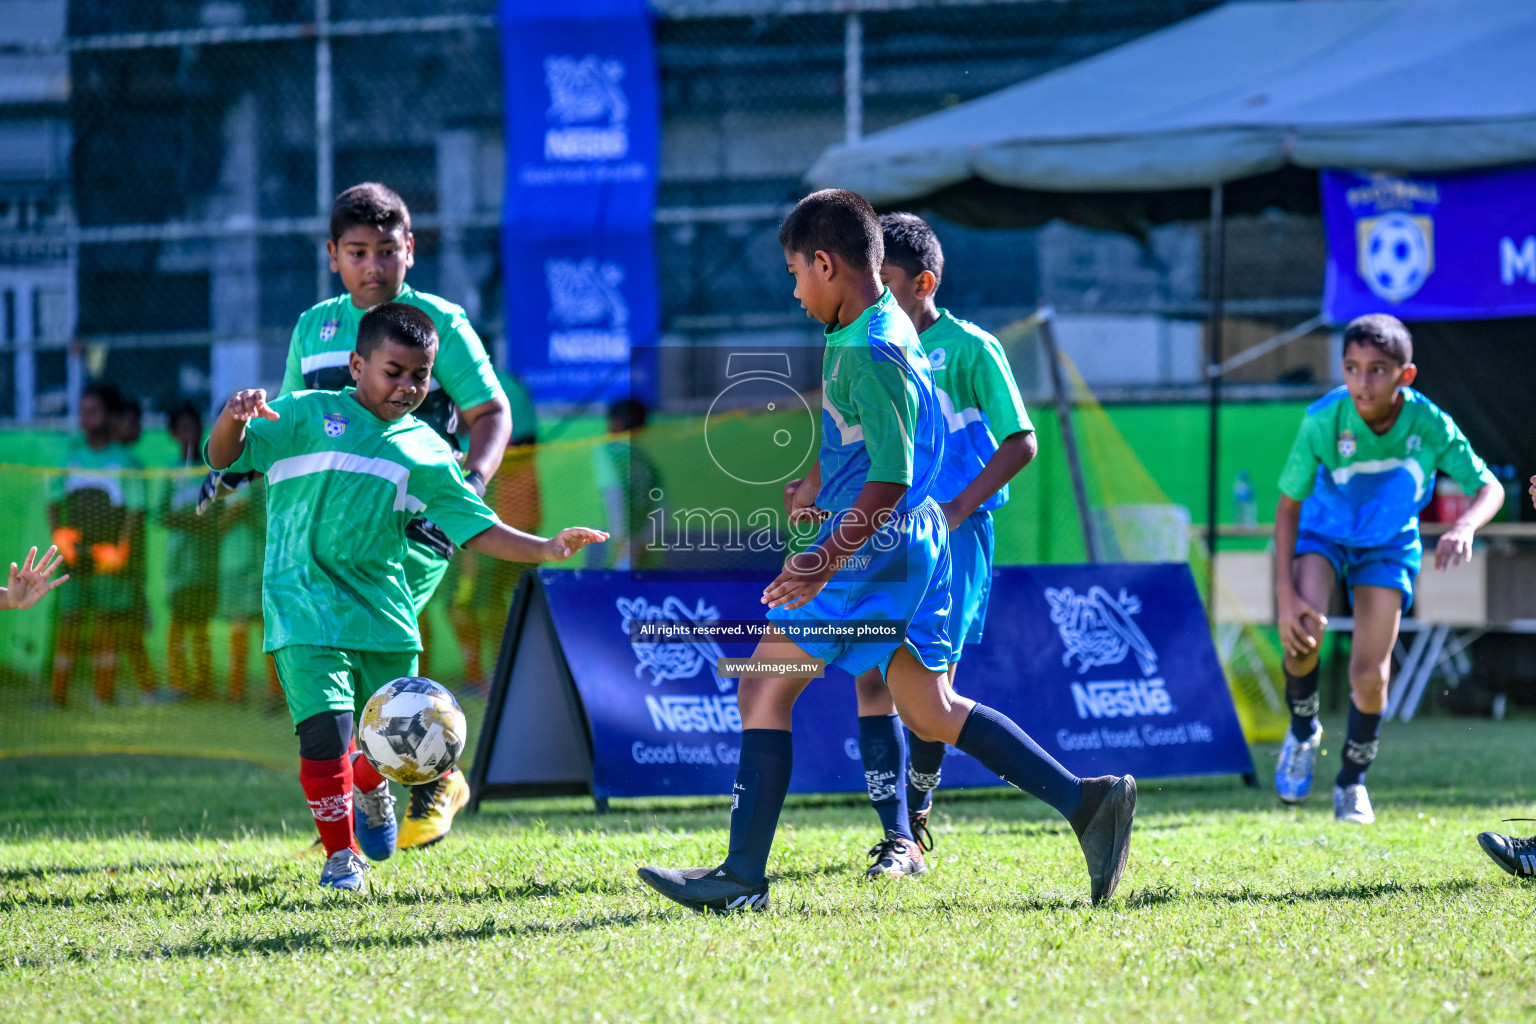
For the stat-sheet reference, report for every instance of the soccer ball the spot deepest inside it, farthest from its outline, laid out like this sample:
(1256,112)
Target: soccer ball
(1396,257)
(412,730)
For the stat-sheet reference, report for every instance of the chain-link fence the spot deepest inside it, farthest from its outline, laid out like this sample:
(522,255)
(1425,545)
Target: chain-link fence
(169,165)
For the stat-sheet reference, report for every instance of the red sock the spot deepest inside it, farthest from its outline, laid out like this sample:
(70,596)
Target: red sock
(328,787)
(364,775)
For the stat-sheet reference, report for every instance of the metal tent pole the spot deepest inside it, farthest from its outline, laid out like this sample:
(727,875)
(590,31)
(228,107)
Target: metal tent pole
(1047,326)
(325,154)
(1216,290)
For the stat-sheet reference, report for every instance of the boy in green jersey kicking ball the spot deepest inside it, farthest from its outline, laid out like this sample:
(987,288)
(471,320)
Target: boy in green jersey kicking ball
(988,440)
(371,248)
(1363,464)
(347,472)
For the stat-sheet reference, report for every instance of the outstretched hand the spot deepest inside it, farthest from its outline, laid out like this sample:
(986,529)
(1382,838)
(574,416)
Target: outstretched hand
(247,405)
(801,579)
(1454,547)
(28,583)
(571,540)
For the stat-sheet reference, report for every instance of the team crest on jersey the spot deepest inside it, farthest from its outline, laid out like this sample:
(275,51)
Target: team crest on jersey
(328,329)
(936,358)
(1415,443)
(335,424)
(1346,444)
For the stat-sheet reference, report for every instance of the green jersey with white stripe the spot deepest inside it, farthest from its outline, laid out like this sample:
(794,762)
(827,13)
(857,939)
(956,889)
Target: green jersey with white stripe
(979,399)
(341,486)
(462,376)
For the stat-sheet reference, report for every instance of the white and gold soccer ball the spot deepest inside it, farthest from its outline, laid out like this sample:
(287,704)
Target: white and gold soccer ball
(412,730)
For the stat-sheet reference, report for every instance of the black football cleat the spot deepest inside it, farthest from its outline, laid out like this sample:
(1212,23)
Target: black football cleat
(1103,827)
(1512,853)
(716,890)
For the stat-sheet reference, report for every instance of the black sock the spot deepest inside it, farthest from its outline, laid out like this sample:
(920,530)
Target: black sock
(882,747)
(1359,746)
(1301,695)
(1005,750)
(925,763)
(762,781)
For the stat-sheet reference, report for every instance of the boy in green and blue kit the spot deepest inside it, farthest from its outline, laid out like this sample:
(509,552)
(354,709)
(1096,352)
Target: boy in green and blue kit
(988,440)
(371,248)
(1362,466)
(347,473)
(882,553)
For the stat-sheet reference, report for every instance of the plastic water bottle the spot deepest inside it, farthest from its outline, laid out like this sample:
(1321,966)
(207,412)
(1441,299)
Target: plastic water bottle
(1245,508)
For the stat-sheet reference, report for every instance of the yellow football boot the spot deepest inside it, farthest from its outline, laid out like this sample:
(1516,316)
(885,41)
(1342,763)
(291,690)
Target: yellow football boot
(433,806)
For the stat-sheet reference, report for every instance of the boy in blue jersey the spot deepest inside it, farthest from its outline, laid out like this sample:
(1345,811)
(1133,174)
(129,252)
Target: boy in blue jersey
(988,440)
(1363,464)
(882,553)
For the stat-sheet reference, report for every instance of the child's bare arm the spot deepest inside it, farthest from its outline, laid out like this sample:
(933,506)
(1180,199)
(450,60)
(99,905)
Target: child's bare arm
(226,441)
(806,573)
(512,545)
(1455,544)
(1014,453)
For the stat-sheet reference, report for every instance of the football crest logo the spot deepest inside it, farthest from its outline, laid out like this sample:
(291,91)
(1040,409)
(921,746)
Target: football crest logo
(328,329)
(937,357)
(1415,443)
(1347,444)
(335,424)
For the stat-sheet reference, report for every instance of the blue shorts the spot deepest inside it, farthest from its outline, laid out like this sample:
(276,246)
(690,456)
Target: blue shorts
(1394,566)
(970,555)
(902,575)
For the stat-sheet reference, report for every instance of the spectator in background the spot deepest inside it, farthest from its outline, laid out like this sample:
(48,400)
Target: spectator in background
(27,583)
(127,428)
(630,488)
(242,525)
(191,558)
(94,510)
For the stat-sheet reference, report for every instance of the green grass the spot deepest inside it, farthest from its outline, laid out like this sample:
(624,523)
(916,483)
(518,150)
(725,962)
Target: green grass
(140,888)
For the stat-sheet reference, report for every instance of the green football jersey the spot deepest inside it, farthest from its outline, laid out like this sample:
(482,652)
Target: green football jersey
(97,490)
(462,376)
(341,486)
(979,399)
(1365,489)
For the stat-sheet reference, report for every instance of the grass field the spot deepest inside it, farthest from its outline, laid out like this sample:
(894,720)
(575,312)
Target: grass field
(144,888)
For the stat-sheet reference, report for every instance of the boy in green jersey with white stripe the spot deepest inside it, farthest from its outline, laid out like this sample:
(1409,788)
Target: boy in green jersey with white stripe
(347,472)
(988,440)
(1363,464)
(371,249)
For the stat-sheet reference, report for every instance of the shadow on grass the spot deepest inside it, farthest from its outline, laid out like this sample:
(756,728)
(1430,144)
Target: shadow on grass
(1138,899)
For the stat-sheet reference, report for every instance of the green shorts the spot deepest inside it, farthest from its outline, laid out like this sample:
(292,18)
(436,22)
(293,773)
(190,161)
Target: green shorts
(424,569)
(320,679)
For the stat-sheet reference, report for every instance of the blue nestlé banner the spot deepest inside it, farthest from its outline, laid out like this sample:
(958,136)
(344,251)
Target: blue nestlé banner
(1430,247)
(1109,667)
(582,141)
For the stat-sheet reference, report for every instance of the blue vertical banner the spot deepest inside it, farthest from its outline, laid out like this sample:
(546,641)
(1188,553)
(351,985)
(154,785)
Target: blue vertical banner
(582,139)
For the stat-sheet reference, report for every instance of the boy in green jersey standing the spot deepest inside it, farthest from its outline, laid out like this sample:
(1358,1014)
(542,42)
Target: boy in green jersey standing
(371,248)
(95,508)
(988,440)
(347,472)
(1363,464)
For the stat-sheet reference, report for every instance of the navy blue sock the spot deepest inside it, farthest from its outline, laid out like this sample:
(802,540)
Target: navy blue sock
(1301,695)
(1359,746)
(1007,751)
(925,763)
(762,782)
(882,746)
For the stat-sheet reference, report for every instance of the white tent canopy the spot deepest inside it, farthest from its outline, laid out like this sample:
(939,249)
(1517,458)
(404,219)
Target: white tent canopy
(1394,85)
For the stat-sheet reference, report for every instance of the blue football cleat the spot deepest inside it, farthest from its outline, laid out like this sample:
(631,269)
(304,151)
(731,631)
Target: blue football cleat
(1298,760)
(344,870)
(373,821)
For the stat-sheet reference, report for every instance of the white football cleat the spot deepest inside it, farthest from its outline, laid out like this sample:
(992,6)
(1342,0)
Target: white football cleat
(1353,804)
